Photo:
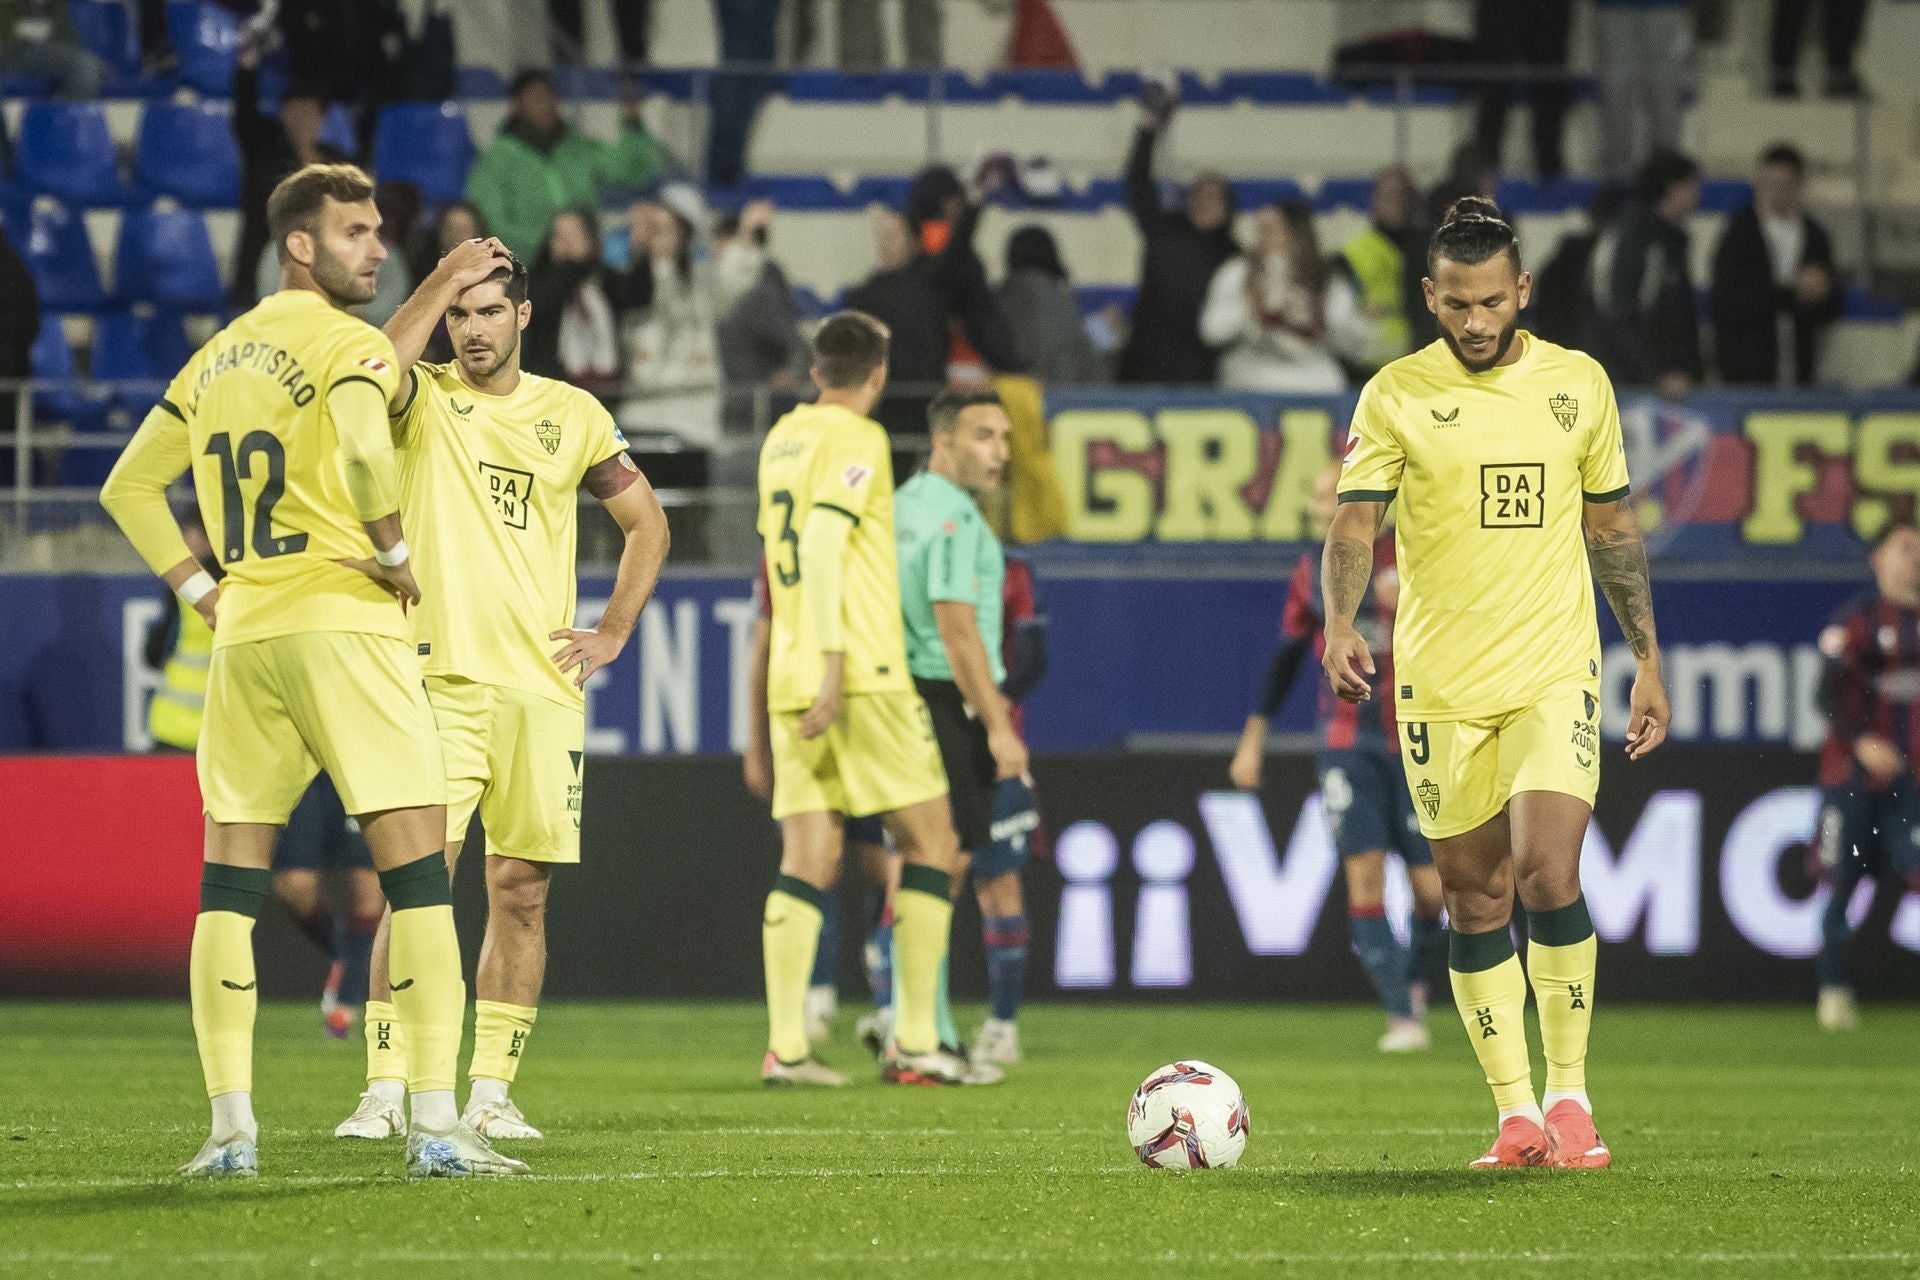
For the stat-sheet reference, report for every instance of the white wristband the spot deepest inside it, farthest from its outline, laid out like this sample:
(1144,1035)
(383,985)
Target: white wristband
(393,556)
(197,588)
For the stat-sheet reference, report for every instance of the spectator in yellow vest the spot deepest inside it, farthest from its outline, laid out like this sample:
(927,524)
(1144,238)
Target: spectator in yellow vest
(1376,262)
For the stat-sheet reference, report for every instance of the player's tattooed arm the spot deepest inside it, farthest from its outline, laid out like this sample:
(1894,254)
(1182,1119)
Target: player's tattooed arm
(1619,559)
(1346,566)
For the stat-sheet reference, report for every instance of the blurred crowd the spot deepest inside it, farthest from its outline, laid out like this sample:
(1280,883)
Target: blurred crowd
(680,311)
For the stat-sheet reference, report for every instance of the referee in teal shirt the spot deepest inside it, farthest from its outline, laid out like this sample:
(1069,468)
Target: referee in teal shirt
(952,574)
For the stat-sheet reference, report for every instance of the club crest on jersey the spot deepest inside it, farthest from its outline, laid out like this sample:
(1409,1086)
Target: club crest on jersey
(1446,419)
(1429,793)
(549,433)
(854,475)
(1566,410)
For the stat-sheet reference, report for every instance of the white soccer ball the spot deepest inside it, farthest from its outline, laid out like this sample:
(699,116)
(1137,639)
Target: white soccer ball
(1188,1115)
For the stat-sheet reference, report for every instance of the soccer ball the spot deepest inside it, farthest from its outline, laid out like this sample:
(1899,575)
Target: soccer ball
(1188,1115)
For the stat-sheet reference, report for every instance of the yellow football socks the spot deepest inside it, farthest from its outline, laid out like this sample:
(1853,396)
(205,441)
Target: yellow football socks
(424,962)
(500,1032)
(789,936)
(386,1042)
(1561,950)
(1491,994)
(922,920)
(221,976)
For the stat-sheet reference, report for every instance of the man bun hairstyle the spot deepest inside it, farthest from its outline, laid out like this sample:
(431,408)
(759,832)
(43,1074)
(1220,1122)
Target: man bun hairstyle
(1472,231)
(296,203)
(848,347)
(943,415)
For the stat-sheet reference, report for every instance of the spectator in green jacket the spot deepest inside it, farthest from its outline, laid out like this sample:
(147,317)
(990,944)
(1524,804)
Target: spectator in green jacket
(540,164)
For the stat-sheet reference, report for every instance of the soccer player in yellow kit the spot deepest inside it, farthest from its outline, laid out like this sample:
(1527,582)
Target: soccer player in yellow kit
(281,418)
(849,734)
(491,460)
(1505,454)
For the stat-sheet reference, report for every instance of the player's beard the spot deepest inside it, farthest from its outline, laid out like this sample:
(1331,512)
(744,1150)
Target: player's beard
(342,285)
(499,362)
(1500,347)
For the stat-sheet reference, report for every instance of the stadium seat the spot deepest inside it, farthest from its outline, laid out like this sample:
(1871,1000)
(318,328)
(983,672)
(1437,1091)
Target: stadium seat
(141,350)
(187,151)
(204,36)
(60,256)
(106,28)
(338,130)
(165,257)
(426,144)
(66,150)
(52,359)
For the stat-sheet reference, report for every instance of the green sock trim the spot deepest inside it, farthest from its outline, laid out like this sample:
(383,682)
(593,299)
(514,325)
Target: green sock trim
(240,890)
(795,887)
(928,880)
(420,883)
(1478,952)
(1562,926)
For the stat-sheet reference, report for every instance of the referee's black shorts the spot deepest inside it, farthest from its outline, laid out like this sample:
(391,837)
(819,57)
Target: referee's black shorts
(970,768)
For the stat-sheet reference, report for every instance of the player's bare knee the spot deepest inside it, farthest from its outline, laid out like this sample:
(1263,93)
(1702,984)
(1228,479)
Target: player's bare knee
(517,890)
(1548,883)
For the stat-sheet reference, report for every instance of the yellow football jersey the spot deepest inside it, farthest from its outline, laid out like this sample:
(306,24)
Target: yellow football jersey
(267,472)
(828,456)
(488,495)
(1491,471)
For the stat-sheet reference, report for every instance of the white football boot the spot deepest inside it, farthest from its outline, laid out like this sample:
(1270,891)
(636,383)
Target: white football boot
(498,1118)
(375,1119)
(775,1074)
(234,1157)
(457,1153)
(1405,1035)
(1837,1010)
(823,1006)
(998,1042)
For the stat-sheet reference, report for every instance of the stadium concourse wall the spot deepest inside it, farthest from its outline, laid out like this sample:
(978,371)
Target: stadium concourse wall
(1154,883)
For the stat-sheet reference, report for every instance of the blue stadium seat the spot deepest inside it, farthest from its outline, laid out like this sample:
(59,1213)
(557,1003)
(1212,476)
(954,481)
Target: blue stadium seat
(60,256)
(52,359)
(204,36)
(165,257)
(65,150)
(426,144)
(337,129)
(141,350)
(1343,193)
(187,151)
(106,28)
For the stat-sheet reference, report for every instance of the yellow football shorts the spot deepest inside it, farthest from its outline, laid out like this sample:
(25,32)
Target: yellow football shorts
(879,757)
(280,710)
(1462,772)
(517,758)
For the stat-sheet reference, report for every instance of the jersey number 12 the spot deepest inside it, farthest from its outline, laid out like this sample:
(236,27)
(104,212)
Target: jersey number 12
(237,465)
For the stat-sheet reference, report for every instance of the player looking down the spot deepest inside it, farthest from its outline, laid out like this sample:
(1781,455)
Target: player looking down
(1505,454)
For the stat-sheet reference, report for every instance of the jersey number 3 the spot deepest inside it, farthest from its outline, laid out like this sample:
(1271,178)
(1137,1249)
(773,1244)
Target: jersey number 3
(237,465)
(789,573)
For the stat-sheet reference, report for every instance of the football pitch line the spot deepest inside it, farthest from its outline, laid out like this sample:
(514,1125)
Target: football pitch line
(913,1257)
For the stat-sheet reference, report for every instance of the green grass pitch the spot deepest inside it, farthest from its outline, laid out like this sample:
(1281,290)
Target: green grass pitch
(1746,1144)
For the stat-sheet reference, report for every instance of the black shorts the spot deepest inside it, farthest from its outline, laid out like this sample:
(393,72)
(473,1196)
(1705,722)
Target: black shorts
(970,769)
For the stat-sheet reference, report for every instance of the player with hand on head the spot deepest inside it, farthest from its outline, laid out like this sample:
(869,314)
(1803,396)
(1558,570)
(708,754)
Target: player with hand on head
(847,732)
(1366,798)
(491,461)
(1869,775)
(280,418)
(1505,454)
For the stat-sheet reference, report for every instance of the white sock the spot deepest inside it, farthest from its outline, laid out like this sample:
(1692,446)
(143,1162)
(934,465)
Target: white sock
(233,1115)
(433,1110)
(1530,1111)
(1578,1095)
(485,1089)
(391,1092)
